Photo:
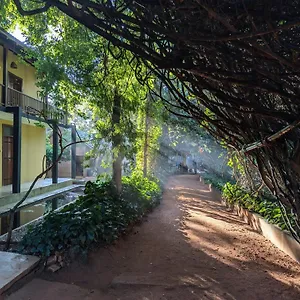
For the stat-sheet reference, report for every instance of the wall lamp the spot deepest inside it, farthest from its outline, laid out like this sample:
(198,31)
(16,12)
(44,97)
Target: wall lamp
(13,65)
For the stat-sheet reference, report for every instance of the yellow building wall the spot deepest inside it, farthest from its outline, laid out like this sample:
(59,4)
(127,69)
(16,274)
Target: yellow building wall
(33,149)
(24,71)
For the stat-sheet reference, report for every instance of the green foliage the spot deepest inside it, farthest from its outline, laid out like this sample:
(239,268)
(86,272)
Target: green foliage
(66,140)
(100,215)
(234,162)
(145,188)
(267,208)
(49,151)
(218,182)
(148,132)
(39,124)
(81,72)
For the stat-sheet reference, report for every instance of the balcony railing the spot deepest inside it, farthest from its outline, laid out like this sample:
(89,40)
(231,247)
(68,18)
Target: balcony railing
(34,107)
(1,95)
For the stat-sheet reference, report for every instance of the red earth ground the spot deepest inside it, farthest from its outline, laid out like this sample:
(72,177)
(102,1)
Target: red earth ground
(190,247)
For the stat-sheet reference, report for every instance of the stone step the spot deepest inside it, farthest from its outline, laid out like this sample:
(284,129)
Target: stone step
(39,289)
(159,279)
(14,267)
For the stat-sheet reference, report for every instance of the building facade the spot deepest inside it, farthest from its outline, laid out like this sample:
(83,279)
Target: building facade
(22,111)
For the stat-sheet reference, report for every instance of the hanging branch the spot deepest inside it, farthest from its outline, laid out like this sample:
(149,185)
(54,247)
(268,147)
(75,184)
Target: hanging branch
(271,138)
(231,65)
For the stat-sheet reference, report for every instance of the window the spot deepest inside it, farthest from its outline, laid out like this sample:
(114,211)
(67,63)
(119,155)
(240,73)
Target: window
(8,130)
(15,82)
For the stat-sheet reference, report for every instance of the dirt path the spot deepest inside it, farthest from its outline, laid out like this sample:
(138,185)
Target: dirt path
(189,248)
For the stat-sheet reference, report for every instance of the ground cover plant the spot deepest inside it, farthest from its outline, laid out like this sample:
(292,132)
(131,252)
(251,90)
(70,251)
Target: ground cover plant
(216,181)
(100,215)
(260,203)
(263,205)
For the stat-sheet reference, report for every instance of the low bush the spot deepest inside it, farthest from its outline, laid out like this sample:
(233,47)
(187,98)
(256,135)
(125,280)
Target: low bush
(100,215)
(216,181)
(268,208)
(264,205)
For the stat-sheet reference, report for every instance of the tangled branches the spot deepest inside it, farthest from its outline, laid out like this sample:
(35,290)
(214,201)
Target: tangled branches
(239,60)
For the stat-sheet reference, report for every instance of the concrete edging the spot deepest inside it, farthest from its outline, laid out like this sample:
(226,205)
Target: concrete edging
(280,238)
(22,227)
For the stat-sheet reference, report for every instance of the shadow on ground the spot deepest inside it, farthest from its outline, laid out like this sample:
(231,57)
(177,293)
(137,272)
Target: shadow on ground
(190,247)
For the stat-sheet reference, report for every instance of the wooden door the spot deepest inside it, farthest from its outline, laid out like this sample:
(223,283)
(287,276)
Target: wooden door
(7,155)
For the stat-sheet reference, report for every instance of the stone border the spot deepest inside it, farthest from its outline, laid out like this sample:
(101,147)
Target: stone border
(282,239)
(19,232)
(37,191)
(30,201)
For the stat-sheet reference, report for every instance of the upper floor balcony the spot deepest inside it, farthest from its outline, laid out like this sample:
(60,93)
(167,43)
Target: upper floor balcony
(31,106)
(18,82)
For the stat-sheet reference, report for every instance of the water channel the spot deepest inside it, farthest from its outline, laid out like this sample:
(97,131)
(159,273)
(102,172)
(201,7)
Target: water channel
(29,213)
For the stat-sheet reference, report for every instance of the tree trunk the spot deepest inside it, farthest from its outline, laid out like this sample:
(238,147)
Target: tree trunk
(145,167)
(116,143)
(117,173)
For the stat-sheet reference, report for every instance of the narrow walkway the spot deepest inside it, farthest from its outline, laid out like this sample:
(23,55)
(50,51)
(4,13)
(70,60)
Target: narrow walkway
(189,248)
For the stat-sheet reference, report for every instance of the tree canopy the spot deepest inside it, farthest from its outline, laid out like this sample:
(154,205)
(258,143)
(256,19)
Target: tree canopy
(230,65)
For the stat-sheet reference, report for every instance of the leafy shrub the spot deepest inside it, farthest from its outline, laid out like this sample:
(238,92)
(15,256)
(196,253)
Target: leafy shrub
(267,208)
(100,215)
(264,205)
(146,189)
(216,181)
